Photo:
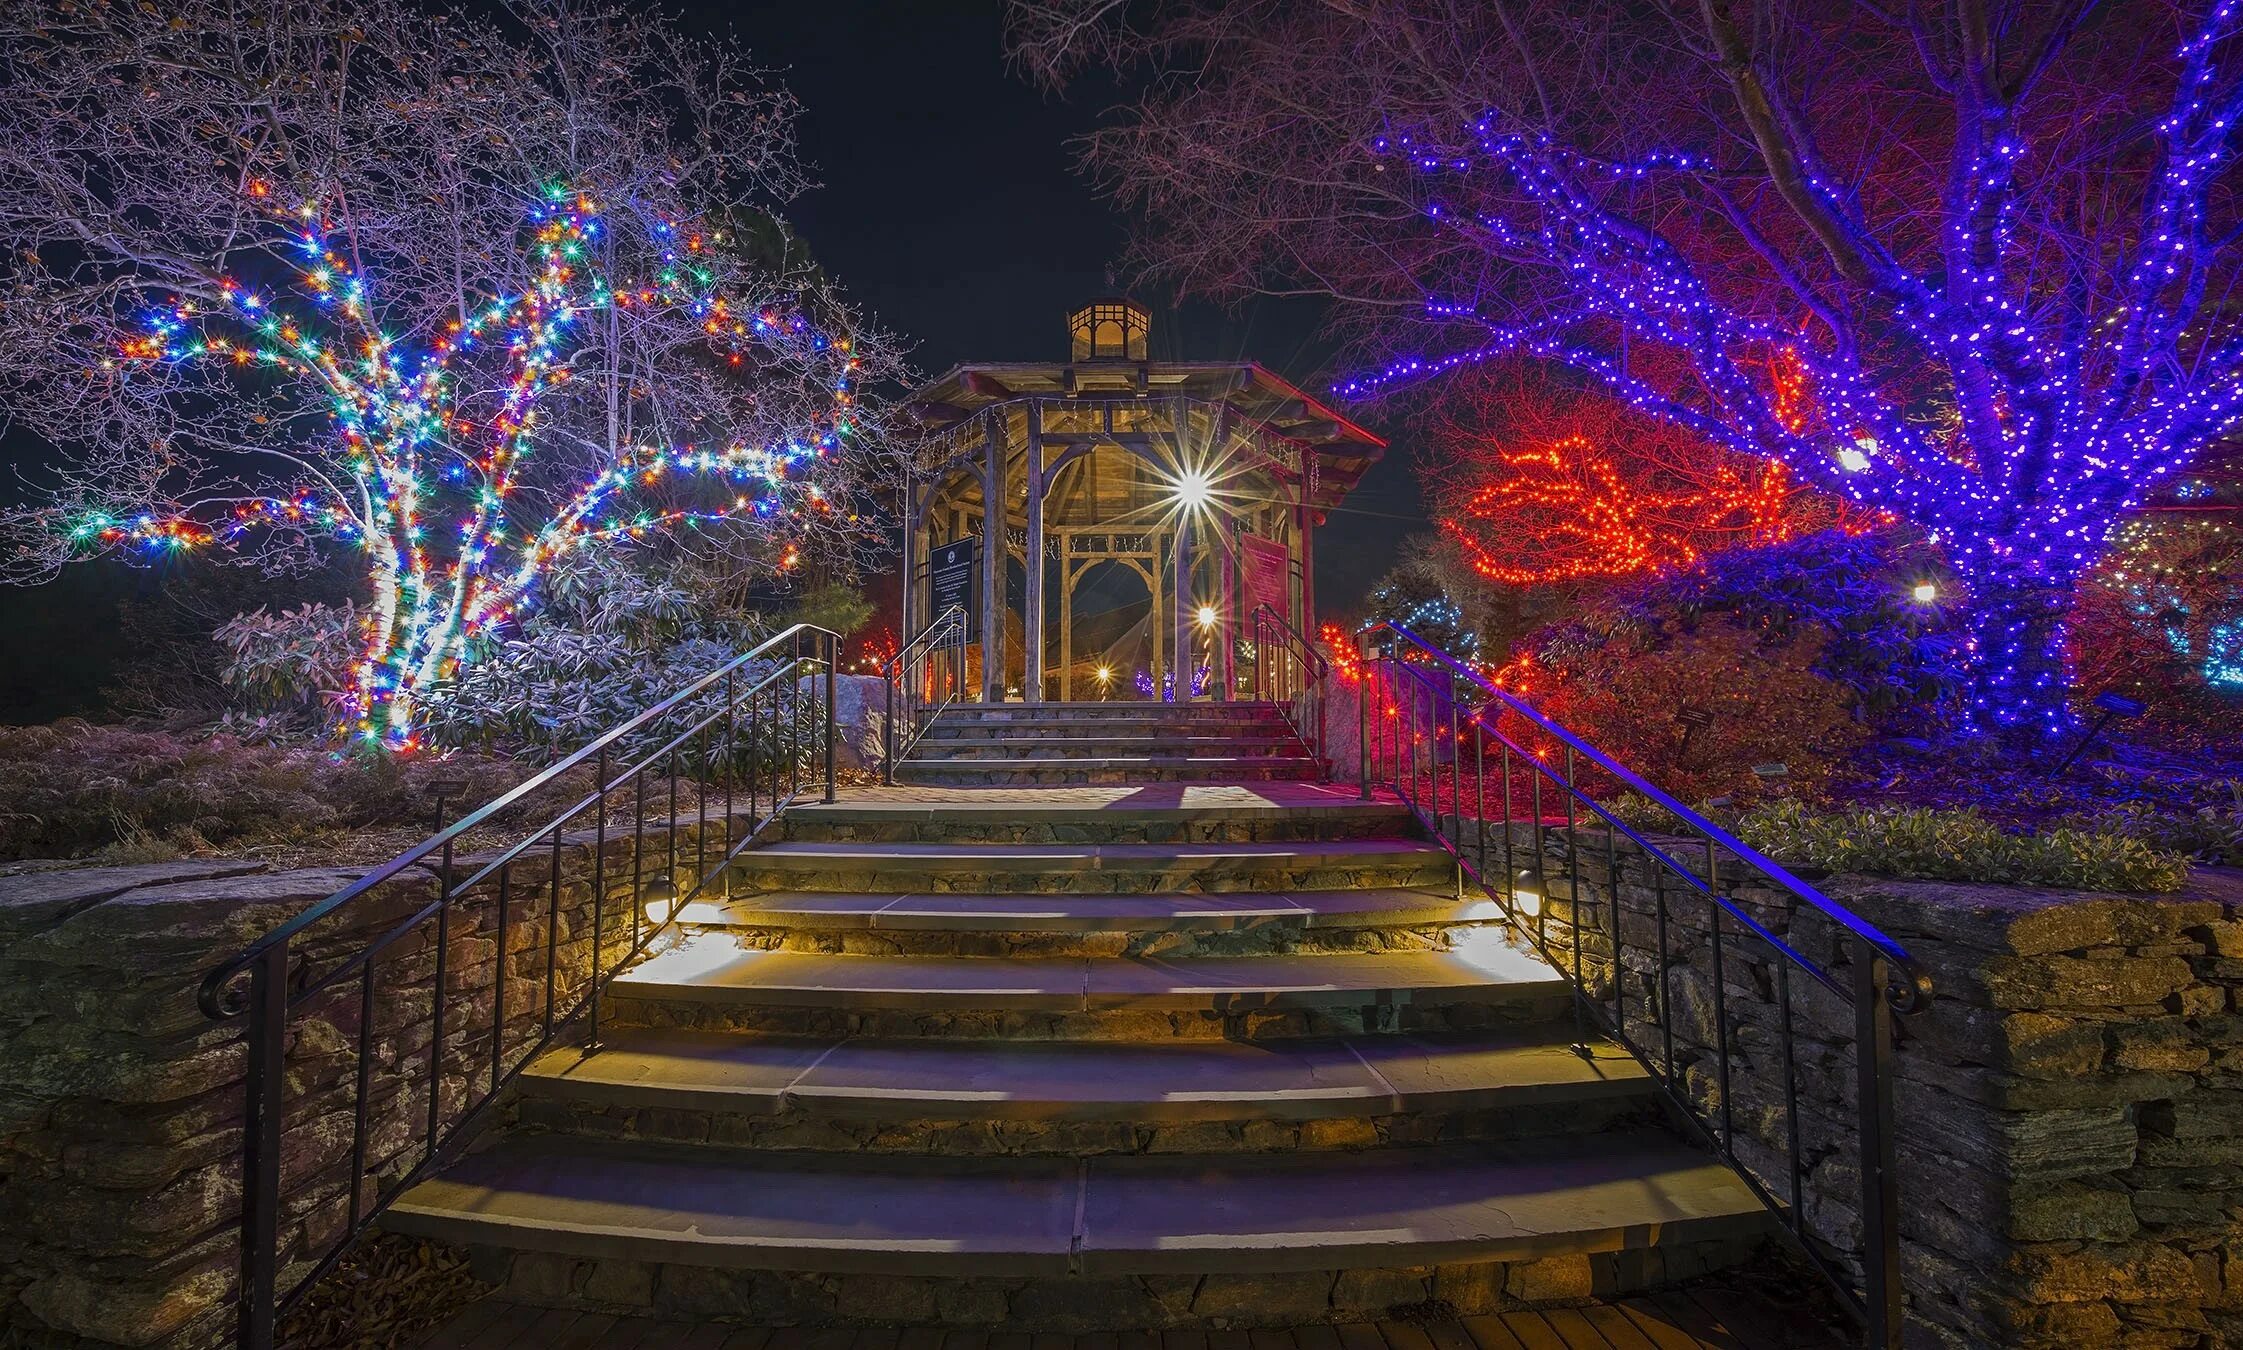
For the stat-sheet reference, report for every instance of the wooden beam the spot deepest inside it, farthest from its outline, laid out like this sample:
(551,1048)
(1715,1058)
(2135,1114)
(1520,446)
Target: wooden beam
(983,385)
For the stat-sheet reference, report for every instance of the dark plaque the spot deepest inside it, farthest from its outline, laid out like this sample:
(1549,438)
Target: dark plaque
(952,577)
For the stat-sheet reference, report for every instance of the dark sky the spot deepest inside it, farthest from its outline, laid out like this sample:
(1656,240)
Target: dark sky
(949,209)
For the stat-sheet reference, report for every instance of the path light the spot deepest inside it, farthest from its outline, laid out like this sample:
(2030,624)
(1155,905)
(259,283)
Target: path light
(1926,592)
(659,896)
(1207,616)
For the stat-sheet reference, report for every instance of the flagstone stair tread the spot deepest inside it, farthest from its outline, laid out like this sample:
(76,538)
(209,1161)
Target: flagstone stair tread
(1509,1200)
(714,967)
(1086,1080)
(964,912)
(1210,765)
(1079,857)
(1094,804)
(1147,745)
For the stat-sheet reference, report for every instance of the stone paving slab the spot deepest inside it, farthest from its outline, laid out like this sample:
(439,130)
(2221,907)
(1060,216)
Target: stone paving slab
(1492,1201)
(1239,1214)
(1705,1317)
(603,1199)
(1083,857)
(1218,1080)
(713,967)
(963,911)
(1701,1318)
(1203,798)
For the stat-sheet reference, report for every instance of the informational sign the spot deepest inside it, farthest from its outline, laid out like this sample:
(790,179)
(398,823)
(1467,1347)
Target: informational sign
(953,580)
(1266,578)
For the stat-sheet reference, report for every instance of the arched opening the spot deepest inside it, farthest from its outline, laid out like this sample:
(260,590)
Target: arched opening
(1110,638)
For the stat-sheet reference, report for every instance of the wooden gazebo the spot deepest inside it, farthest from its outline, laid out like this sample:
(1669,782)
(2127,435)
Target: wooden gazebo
(1203,482)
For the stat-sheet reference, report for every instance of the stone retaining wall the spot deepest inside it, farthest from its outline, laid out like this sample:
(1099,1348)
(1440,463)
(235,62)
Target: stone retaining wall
(121,1105)
(2070,1104)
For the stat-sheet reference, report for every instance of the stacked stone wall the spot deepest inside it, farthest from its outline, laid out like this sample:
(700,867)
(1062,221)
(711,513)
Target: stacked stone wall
(121,1104)
(2069,1105)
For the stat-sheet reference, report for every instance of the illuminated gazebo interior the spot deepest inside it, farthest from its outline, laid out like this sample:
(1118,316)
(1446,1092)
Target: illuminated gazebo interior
(1164,504)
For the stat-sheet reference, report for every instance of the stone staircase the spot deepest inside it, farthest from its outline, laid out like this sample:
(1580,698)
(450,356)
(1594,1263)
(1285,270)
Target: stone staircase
(1110,743)
(1165,1055)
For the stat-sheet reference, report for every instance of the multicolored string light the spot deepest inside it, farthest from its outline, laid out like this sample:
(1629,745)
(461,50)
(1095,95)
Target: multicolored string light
(414,456)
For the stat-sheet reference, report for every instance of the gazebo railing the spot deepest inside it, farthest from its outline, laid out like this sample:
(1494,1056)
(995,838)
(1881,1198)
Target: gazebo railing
(1290,672)
(323,1005)
(1524,805)
(928,675)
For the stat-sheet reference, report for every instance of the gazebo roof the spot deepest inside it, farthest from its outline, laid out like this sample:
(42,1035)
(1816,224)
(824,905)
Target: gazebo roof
(1257,395)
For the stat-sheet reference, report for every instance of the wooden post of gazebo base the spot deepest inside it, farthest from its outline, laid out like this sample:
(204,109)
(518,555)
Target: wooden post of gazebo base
(993,568)
(1032,558)
(1180,659)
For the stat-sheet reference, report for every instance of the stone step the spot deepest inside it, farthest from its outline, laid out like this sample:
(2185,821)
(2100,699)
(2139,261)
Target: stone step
(1055,869)
(1380,1209)
(1057,771)
(1028,914)
(1151,745)
(713,980)
(1243,727)
(985,1098)
(1136,813)
(975,925)
(1115,710)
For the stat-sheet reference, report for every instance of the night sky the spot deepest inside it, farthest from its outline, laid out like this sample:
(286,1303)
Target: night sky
(951,211)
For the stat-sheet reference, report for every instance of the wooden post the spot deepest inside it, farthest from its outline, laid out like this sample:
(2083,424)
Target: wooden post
(1234,608)
(1181,657)
(1032,605)
(993,566)
(912,552)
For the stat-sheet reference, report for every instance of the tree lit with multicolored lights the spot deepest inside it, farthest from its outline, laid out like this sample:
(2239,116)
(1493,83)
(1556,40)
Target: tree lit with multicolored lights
(460,298)
(1971,267)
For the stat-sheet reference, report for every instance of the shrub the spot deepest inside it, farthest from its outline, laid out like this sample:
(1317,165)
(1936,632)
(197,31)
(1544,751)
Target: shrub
(1696,712)
(1795,654)
(610,641)
(2211,833)
(1958,846)
(292,666)
(71,789)
(2161,620)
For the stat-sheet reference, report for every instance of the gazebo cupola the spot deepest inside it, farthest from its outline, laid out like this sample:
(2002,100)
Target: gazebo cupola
(1112,524)
(1110,330)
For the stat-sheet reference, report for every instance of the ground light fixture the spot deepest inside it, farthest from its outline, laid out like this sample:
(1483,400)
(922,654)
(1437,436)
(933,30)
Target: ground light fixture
(1207,616)
(1925,592)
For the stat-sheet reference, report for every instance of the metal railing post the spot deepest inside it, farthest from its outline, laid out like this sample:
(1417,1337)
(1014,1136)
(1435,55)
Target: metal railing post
(1363,722)
(260,1142)
(833,679)
(1880,1167)
(888,730)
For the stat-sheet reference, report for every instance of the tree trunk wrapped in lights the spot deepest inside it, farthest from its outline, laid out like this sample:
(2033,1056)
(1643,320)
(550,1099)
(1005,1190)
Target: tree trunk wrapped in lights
(1966,267)
(463,296)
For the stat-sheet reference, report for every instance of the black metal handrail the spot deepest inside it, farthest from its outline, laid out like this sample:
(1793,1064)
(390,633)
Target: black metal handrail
(1428,706)
(913,681)
(780,693)
(1298,681)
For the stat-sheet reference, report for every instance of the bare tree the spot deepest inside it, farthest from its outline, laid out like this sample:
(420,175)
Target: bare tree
(1998,237)
(463,294)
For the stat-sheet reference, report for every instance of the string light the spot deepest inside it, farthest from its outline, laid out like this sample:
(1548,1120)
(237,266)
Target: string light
(2058,438)
(435,490)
